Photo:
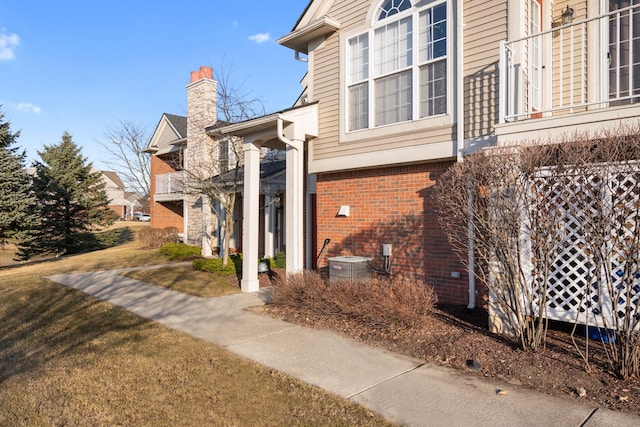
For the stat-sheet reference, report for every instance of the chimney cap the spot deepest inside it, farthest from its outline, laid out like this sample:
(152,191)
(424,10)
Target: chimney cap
(204,72)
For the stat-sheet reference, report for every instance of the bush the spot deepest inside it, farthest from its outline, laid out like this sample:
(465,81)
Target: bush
(156,237)
(381,304)
(177,251)
(214,265)
(117,236)
(281,260)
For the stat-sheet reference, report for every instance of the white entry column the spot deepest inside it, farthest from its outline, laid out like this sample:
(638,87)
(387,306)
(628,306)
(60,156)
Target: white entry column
(251,217)
(295,204)
(268,222)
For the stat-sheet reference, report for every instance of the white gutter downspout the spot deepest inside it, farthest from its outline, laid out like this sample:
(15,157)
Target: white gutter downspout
(284,139)
(460,139)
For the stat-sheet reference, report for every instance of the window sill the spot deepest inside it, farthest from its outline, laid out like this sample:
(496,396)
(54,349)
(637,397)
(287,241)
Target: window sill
(422,125)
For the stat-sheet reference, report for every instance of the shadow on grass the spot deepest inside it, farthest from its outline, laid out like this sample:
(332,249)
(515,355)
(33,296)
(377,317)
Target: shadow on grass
(44,322)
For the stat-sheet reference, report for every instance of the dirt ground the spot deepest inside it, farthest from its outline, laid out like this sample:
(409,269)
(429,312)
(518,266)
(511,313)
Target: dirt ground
(457,337)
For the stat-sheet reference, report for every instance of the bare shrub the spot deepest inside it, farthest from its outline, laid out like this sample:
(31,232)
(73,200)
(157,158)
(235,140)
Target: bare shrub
(381,304)
(156,237)
(487,198)
(555,230)
(604,200)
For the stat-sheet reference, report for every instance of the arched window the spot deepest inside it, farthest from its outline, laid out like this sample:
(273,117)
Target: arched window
(391,7)
(398,68)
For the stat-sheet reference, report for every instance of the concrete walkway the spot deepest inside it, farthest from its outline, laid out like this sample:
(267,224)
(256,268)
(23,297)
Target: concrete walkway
(400,388)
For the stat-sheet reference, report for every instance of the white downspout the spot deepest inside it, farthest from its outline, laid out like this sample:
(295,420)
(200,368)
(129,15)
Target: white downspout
(460,138)
(284,139)
(459,81)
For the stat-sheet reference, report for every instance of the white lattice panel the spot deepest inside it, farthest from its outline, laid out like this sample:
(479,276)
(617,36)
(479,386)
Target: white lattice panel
(575,289)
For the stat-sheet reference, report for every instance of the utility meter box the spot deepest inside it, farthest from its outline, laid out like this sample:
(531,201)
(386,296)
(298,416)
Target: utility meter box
(349,268)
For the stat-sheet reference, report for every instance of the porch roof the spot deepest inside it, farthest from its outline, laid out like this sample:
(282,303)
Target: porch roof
(264,128)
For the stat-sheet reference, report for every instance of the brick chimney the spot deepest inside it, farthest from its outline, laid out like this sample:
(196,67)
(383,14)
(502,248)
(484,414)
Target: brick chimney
(202,73)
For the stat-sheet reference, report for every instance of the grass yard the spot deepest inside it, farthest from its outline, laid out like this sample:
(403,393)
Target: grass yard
(189,281)
(69,359)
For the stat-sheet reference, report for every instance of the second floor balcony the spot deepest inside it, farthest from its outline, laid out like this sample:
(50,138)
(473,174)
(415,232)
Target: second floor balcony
(169,186)
(582,74)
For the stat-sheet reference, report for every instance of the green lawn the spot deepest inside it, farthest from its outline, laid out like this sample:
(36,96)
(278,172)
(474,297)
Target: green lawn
(186,279)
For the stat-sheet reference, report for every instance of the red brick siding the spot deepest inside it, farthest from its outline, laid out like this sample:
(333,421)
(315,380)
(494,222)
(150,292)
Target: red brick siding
(164,214)
(118,209)
(168,214)
(391,205)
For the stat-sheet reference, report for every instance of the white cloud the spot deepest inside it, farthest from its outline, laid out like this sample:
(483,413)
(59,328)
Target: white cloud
(260,37)
(28,108)
(8,42)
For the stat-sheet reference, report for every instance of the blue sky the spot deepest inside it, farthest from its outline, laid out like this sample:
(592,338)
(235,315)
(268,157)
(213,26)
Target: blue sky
(82,65)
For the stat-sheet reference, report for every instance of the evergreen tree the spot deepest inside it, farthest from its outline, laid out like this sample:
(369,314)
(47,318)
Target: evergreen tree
(71,202)
(16,200)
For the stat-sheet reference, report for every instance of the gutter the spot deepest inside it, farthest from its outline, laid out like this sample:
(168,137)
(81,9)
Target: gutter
(460,141)
(280,132)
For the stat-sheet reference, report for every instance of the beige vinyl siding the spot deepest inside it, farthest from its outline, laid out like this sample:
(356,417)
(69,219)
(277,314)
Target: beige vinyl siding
(580,69)
(326,78)
(167,136)
(485,26)
(326,89)
(388,142)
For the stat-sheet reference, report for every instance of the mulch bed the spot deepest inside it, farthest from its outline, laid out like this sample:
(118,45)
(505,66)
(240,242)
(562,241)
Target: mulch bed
(459,338)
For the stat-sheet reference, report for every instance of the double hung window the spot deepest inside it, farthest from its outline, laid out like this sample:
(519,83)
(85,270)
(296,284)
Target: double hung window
(624,50)
(397,70)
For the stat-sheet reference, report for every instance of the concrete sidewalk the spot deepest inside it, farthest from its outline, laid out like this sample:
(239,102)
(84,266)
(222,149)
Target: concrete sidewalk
(400,388)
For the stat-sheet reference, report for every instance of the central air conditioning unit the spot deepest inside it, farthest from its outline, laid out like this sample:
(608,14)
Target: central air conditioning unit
(349,268)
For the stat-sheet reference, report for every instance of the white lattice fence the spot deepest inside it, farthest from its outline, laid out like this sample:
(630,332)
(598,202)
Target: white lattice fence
(595,277)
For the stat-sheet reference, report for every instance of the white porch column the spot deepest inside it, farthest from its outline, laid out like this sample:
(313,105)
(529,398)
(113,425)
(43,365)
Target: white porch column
(294,205)
(206,227)
(251,218)
(268,223)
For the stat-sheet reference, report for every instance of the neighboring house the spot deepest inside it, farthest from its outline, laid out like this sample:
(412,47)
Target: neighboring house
(118,201)
(182,153)
(166,147)
(135,203)
(397,91)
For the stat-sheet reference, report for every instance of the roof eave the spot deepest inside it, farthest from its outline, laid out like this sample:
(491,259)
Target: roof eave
(299,39)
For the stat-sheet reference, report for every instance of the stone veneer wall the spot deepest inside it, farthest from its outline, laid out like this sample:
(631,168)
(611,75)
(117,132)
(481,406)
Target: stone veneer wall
(201,113)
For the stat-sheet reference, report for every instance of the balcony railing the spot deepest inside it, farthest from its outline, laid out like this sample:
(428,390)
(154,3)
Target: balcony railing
(170,183)
(587,65)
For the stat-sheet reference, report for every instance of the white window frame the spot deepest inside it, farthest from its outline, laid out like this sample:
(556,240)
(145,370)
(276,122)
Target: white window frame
(536,52)
(415,123)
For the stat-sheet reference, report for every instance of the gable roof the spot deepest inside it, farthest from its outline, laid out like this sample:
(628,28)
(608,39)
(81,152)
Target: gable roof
(170,132)
(113,177)
(179,124)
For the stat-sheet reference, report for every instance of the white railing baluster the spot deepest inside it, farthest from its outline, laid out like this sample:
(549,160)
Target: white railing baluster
(583,62)
(502,83)
(169,183)
(630,56)
(617,41)
(561,91)
(515,100)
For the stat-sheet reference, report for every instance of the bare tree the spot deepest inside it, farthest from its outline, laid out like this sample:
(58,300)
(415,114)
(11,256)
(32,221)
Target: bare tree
(235,104)
(125,142)
(214,167)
